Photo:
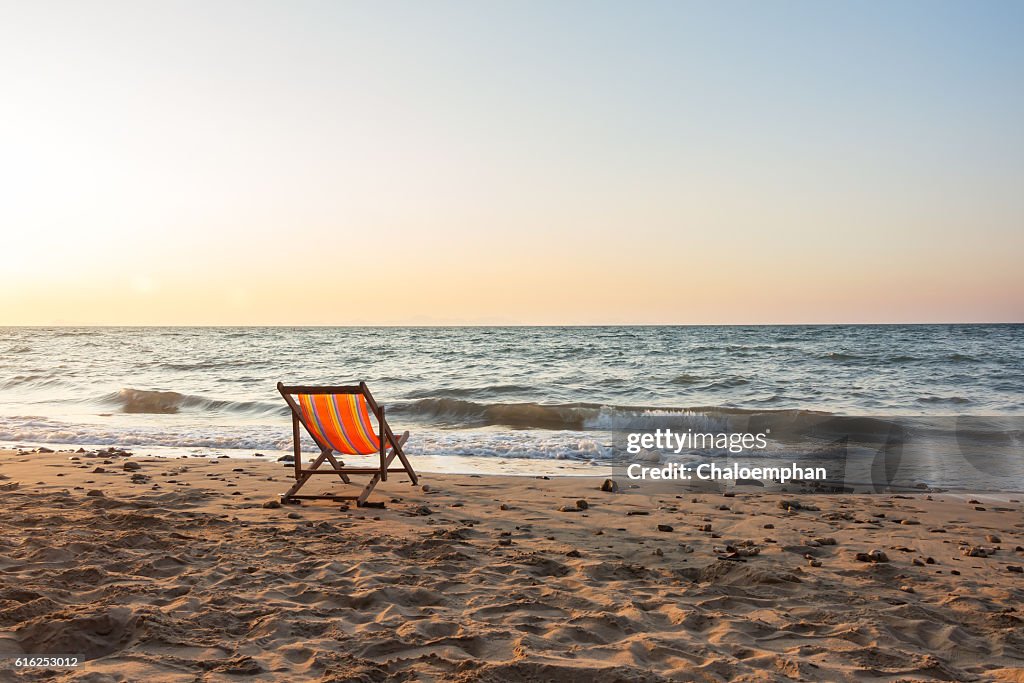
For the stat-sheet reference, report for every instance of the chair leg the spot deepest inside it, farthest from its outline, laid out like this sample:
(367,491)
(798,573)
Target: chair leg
(364,495)
(405,462)
(300,481)
(337,466)
(376,478)
(305,476)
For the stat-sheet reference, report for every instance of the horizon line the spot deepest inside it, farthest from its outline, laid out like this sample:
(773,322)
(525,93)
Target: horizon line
(493,325)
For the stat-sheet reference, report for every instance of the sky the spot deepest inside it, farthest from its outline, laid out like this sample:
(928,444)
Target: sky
(337,163)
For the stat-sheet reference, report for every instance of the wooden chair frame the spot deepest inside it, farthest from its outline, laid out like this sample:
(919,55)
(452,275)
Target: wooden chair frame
(390,447)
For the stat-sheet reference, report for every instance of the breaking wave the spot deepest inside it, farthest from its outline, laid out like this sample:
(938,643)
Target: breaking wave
(170,402)
(600,417)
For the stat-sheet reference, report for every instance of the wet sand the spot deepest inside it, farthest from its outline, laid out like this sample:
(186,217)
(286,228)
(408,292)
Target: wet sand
(176,572)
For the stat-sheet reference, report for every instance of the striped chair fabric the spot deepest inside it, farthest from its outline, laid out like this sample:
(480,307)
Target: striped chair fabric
(341,421)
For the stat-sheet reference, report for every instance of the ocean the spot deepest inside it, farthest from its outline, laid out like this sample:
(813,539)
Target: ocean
(524,399)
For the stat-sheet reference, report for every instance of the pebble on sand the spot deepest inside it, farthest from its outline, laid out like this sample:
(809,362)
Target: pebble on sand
(873,556)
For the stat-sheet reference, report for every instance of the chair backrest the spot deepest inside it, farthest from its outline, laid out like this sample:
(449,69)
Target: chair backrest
(339,421)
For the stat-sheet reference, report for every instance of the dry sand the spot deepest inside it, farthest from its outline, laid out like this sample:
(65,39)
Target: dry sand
(184,576)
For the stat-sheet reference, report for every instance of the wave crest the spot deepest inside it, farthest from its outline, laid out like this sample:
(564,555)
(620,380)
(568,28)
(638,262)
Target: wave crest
(154,402)
(151,402)
(565,416)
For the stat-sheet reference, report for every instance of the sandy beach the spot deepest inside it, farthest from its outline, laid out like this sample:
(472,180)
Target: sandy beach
(173,570)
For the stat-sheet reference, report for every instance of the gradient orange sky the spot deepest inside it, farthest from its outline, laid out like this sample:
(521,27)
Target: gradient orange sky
(537,163)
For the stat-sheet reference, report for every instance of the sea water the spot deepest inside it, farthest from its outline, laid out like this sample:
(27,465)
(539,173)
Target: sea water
(528,399)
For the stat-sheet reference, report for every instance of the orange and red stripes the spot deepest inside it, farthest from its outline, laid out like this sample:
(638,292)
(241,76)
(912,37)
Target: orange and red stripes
(341,421)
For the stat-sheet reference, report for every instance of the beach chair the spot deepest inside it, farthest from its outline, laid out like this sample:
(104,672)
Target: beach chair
(338,420)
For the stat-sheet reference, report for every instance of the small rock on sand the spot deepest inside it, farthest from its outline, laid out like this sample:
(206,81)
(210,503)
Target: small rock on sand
(272,504)
(665,527)
(873,556)
(992,538)
(610,486)
(95,493)
(131,466)
(1015,568)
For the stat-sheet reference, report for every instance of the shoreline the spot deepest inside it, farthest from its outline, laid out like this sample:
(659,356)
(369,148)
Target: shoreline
(434,464)
(486,577)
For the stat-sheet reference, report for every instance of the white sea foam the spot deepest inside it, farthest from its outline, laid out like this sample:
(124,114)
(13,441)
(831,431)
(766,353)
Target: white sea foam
(32,431)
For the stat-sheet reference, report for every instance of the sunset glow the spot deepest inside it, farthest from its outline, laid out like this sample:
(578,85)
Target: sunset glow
(536,163)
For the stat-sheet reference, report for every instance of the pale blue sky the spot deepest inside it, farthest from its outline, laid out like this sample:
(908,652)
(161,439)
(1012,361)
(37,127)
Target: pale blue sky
(536,162)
